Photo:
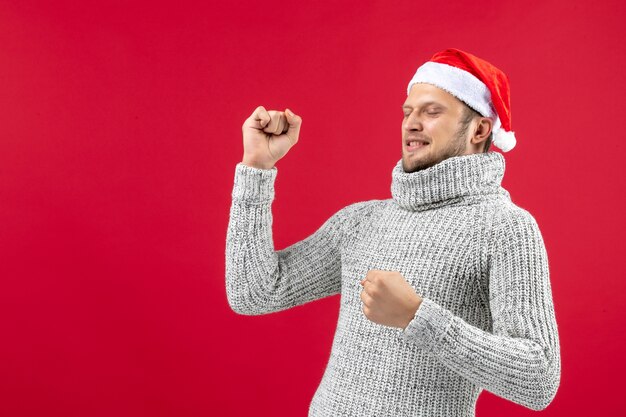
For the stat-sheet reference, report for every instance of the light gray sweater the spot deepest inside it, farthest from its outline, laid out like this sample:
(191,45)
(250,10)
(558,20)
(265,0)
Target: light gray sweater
(487,318)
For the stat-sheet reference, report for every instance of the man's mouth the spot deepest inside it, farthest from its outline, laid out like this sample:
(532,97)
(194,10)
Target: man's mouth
(415,144)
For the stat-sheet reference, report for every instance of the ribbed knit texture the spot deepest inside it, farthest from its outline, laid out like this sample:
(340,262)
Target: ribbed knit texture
(487,318)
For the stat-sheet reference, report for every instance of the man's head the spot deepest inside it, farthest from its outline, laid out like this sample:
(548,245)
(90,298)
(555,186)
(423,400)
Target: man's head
(442,125)
(457,104)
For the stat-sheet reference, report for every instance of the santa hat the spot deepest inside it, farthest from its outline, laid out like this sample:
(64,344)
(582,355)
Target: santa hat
(477,83)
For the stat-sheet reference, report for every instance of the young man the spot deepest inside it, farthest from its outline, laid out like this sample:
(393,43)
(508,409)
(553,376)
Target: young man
(445,287)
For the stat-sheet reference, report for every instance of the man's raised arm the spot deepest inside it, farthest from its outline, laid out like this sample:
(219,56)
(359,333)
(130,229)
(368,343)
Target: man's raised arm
(259,279)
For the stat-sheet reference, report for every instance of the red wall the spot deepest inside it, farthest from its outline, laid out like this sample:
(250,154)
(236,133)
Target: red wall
(120,128)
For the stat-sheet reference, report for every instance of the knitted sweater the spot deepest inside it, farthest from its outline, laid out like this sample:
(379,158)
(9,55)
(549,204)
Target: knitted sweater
(478,260)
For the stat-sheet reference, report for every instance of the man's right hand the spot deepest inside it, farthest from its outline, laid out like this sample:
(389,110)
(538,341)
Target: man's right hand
(268,136)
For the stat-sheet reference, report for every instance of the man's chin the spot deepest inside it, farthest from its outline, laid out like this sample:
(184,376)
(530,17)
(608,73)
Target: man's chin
(413,163)
(410,164)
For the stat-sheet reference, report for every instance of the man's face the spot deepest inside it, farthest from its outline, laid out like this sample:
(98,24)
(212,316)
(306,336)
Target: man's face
(432,117)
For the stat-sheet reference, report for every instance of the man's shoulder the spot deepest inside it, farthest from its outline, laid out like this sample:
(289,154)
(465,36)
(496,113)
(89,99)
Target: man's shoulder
(510,210)
(358,212)
(361,207)
(513,221)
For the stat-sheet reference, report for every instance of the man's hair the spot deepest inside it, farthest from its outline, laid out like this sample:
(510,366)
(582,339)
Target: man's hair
(468,115)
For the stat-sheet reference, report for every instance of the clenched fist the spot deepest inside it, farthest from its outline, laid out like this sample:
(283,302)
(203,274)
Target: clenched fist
(388,299)
(268,136)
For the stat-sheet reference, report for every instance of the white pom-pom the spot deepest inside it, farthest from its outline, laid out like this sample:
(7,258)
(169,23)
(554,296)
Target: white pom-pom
(504,140)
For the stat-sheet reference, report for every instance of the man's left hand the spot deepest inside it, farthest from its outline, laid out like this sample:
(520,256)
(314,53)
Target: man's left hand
(388,298)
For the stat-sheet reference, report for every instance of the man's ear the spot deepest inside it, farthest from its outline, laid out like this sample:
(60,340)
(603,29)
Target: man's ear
(482,130)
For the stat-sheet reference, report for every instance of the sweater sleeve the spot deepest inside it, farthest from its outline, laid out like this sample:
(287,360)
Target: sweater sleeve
(519,359)
(260,280)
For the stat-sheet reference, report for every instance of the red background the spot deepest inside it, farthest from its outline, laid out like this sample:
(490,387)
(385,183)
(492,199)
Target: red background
(120,129)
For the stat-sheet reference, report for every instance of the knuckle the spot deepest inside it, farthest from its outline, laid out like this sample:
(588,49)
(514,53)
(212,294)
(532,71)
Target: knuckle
(260,111)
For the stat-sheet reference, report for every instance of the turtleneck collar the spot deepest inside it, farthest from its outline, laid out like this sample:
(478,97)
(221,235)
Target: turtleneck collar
(455,179)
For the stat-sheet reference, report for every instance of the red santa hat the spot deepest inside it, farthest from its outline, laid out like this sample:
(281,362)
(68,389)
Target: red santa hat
(477,83)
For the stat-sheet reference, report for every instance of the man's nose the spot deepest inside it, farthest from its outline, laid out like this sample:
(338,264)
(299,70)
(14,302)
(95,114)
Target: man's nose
(413,122)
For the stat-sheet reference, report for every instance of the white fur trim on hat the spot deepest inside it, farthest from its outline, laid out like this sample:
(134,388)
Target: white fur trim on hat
(461,84)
